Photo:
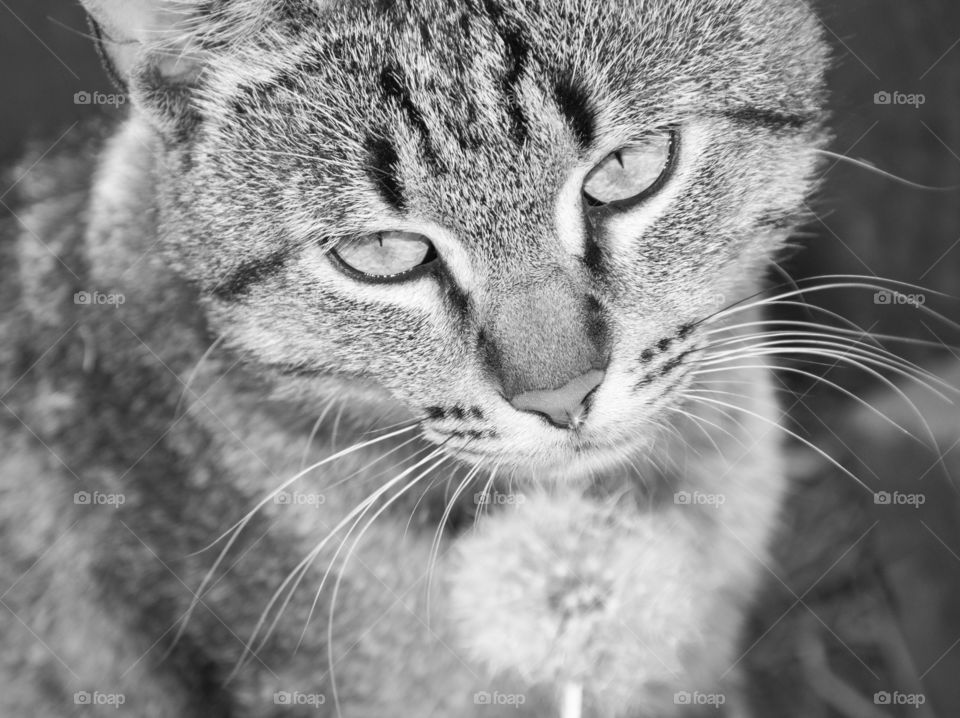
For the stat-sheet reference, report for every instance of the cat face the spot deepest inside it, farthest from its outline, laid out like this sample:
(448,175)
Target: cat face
(509,218)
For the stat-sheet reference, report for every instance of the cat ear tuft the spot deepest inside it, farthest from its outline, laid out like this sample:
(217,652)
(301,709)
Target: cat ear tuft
(148,35)
(156,50)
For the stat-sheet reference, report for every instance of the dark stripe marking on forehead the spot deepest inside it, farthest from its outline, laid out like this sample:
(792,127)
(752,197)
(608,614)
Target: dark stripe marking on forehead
(396,88)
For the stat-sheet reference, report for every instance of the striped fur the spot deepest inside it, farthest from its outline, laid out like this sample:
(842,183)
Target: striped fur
(263,133)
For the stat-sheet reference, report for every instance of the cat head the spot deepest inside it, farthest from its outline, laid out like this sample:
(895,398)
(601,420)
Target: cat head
(507,217)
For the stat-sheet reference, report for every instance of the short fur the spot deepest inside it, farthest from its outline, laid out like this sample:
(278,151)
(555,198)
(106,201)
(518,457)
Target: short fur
(265,132)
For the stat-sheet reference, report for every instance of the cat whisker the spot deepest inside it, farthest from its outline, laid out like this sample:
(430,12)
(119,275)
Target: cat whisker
(314,429)
(296,575)
(698,421)
(336,587)
(491,478)
(196,370)
(387,427)
(815,340)
(833,350)
(235,531)
(863,164)
(860,363)
(438,534)
(336,425)
(423,494)
(810,375)
(362,471)
(286,484)
(873,337)
(832,282)
(789,432)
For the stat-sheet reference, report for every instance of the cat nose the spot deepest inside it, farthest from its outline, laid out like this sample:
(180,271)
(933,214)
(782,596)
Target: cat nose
(564,406)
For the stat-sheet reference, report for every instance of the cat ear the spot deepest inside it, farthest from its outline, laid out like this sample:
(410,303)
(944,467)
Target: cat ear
(152,49)
(146,34)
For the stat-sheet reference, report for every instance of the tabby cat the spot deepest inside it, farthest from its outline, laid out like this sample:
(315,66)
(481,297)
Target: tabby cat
(381,362)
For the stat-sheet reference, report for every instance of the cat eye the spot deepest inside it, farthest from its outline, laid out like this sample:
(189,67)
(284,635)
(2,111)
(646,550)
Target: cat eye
(385,256)
(632,173)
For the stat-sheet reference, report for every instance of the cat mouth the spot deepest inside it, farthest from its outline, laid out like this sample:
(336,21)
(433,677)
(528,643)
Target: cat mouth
(581,459)
(601,441)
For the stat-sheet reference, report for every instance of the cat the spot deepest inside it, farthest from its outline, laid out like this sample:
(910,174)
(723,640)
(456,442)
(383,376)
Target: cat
(380,363)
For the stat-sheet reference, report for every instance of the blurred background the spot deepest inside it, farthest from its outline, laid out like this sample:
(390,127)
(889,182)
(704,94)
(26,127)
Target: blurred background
(861,615)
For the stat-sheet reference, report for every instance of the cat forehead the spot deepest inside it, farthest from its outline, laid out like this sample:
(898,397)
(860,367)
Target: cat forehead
(444,96)
(458,35)
(451,49)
